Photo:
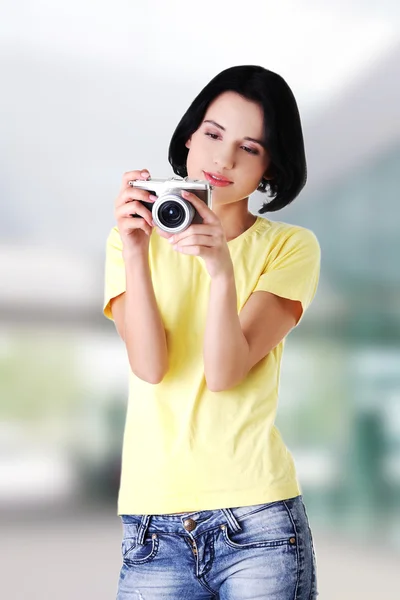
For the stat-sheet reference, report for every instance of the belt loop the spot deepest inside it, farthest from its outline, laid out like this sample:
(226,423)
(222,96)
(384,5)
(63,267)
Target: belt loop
(143,528)
(230,517)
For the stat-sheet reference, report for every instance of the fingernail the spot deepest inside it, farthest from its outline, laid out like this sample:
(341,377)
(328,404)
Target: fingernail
(152,197)
(144,173)
(171,240)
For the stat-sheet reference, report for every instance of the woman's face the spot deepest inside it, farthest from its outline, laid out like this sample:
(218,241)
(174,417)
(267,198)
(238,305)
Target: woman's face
(228,144)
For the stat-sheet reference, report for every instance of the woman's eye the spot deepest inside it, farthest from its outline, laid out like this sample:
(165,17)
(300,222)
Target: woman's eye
(250,150)
(215,136)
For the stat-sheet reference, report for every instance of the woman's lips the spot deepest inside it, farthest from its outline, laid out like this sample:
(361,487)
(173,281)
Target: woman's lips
(218,180)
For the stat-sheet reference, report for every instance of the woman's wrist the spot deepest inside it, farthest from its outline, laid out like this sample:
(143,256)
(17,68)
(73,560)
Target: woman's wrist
(136,255)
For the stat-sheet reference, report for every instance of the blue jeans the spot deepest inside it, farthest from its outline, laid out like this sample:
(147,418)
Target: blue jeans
(259,552)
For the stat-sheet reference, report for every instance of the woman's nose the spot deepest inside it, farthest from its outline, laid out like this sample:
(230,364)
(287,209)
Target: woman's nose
(224,159)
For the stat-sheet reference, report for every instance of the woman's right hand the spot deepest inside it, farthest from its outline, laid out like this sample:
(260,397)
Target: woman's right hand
(135,232)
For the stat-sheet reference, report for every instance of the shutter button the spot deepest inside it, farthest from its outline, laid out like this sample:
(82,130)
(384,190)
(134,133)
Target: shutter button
(189,524)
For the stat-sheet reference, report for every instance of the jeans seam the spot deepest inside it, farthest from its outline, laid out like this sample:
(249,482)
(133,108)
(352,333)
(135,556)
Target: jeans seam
(260,508)
(312,595)
(297,549)
(313,560)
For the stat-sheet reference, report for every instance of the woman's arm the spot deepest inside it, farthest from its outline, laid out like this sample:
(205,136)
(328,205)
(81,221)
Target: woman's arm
(139,322)
(225,347)
(234,343)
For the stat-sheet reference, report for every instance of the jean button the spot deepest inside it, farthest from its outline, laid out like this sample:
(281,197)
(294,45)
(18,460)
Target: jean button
(189,524)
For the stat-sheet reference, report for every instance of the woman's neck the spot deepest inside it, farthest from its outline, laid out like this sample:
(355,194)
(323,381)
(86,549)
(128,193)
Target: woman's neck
(235,218)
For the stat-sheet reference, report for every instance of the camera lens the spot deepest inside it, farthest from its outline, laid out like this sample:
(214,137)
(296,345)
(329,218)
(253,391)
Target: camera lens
(171,214)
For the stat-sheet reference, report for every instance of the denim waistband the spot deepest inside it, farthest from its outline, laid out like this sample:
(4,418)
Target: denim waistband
(203,520)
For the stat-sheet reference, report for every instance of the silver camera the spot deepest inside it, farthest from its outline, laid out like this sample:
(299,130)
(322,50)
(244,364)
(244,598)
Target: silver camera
(170,211)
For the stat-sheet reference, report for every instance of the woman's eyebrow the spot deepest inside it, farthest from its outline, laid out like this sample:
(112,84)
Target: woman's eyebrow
(260,142)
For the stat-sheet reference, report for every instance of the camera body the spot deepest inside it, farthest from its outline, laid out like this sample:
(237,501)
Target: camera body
(170,211)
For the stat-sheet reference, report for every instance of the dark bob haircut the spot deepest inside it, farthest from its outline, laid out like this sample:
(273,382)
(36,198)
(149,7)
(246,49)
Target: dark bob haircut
(282,129)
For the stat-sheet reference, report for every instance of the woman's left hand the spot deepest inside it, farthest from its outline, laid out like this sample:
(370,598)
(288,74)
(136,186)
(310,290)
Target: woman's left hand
(206,239)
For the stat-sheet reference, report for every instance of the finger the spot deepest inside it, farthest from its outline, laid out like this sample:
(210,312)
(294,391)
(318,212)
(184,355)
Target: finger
(134,175)
(192,229)
(163,233)
(134,194)
(206,241)
(126,225)
(134,208)
(197,229)
(204,211)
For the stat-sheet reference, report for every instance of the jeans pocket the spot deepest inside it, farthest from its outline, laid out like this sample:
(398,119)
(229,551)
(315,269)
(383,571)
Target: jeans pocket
(134,553)
(269,526)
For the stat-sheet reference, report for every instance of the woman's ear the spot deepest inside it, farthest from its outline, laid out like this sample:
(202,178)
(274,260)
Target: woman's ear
(188,143)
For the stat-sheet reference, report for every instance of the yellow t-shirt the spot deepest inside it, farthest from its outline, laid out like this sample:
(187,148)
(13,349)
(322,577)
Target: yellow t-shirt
(186,448)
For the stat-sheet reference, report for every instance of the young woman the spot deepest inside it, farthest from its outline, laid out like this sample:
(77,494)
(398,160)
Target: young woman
(209,499)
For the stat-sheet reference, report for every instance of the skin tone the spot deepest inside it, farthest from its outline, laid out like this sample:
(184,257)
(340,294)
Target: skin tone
(228,153)
(228,143)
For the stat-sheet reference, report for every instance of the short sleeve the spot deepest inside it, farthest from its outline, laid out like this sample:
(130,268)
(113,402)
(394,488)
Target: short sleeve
(115,282)
(293,268)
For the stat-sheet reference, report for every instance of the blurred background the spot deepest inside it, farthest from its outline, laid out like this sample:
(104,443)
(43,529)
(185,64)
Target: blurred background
(91,90)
